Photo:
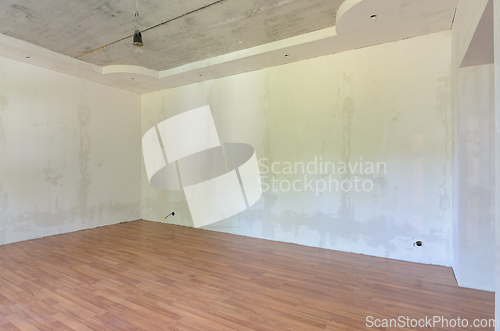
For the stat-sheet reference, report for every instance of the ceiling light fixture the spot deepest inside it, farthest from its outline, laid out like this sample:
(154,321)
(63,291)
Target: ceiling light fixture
(137,39)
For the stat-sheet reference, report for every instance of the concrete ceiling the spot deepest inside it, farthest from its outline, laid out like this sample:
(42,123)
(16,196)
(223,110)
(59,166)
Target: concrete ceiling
(191,41)
(175,32)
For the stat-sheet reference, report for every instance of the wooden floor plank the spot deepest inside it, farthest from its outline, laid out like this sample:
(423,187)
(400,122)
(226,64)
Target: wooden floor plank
(151,276)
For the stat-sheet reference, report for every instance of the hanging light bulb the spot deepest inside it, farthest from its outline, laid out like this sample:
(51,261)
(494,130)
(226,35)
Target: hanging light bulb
(137,39)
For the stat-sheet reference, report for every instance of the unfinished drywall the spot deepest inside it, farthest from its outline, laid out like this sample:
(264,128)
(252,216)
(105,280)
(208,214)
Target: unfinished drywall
(69,153)
(473,162)
(389,105)
(474,178)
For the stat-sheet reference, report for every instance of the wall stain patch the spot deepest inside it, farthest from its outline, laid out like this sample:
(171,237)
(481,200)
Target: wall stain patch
(84,116)
(51,177)
(4,103)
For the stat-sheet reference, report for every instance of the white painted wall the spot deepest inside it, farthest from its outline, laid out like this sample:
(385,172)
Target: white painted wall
(69,153)
(388,103)
(474,174)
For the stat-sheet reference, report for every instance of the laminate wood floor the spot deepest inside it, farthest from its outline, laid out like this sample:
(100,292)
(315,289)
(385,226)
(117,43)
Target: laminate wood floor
(151,276)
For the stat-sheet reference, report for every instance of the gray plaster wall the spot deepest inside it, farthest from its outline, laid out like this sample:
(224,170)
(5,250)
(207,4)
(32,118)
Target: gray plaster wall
(474,157)
(69,153)
(388,103)
(474,178)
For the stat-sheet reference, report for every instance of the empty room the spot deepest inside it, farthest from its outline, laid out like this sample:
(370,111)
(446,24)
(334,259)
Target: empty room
(220,165)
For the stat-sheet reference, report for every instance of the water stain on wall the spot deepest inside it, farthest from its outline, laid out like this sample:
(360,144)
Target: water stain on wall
(4,206)
(57,218)
(331,228)
(4,103)
(4,200)
(345,109)
(84,116)
(445,114)
(267,149)
(51,177)
(2,70)
(265,110)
